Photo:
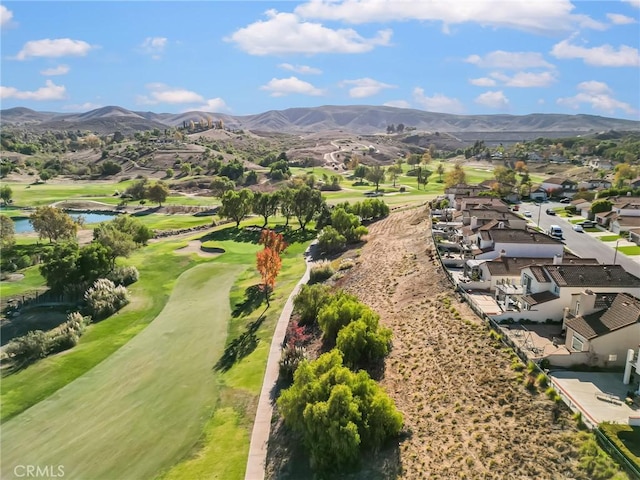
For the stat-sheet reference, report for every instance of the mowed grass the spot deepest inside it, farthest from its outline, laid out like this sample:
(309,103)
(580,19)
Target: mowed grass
(609,238)
(159,268)
(32,281)
(630,250)
(142,409)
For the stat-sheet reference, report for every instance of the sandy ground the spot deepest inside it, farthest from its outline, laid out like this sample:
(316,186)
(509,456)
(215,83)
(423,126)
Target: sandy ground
(194,247)
(467,415)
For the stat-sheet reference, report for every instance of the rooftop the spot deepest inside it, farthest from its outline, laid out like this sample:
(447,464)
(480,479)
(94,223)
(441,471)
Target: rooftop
(591,276)
(512,265)
(540,297)
(624,311)
(510,235)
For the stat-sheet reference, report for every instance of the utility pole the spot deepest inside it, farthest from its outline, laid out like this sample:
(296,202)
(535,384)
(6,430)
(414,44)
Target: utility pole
(615,255)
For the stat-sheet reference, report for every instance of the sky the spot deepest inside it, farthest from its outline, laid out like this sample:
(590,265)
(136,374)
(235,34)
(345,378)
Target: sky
(242,57)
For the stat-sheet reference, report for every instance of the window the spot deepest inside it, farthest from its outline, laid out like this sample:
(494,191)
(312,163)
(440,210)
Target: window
(576,344)
(556,289)
(577,308)
(526,283)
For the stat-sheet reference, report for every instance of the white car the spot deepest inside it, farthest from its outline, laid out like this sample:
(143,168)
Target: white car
(527,213)
(578,228)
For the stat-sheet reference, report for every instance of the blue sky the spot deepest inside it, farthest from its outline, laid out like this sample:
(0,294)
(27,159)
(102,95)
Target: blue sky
(240,57)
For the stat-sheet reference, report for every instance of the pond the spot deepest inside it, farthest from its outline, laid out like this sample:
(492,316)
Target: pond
(22,225)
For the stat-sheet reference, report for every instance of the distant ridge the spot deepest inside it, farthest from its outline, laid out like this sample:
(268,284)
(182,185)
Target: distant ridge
(360,119)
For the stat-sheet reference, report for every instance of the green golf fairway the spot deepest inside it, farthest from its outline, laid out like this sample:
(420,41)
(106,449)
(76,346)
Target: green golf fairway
(142,409)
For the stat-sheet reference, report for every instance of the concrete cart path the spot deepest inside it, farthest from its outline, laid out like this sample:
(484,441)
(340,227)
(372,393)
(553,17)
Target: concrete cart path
(262,425)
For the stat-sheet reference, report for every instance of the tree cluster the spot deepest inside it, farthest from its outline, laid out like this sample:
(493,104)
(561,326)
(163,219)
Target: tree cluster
(142,190)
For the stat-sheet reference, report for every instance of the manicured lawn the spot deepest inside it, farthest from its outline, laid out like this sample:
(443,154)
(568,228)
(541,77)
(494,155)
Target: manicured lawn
(630,250)
(626,437)
(159,268)
(32,280)
(144,408)
(609,238)
(173,222)
(44,194)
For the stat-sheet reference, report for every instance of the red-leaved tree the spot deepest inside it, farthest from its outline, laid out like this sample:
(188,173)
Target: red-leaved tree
(269,261)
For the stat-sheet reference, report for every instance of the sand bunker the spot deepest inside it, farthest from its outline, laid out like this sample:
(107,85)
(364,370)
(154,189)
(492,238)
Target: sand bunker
(195,246)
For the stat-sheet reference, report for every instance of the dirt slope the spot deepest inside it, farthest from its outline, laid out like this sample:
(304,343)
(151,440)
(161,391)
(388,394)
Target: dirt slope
(466,414)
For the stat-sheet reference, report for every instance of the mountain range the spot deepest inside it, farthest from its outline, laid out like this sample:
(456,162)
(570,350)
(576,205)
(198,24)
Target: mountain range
(360,119)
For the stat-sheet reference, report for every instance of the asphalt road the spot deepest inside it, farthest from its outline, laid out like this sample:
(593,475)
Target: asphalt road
(582,244)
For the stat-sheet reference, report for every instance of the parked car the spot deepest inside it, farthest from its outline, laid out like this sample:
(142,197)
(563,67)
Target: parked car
(587,224)
(550,211)
(565,200)
(527,213)
(578,228)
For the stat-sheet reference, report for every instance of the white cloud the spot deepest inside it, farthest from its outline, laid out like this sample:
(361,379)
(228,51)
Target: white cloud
(397,104)
(482,82)
(154,46)
(50,91)
(599,96)
(302,69)
(5,16)
(493,99)
(509,60)
(161,93)
(618,19)
(437,103)
(213,105)
(81,107)
(602,56)
(533,16)
(287,33)
(525,79)
(635,3)
(365,87)
(59,47)
(279,87)
(59,70)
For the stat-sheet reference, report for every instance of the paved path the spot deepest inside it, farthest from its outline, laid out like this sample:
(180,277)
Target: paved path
(262,424)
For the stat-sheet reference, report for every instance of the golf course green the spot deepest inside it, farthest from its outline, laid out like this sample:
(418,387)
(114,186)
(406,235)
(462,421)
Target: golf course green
(143,408)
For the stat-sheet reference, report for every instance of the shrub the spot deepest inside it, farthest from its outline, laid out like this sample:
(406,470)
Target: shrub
(29,347)
(104,298)
(290,360)
(346,264)
(23,261)
(309,301)
(337,411)
(340,311)
(124,275)
(542,380)
(321,272)
(363,341)
(330,241)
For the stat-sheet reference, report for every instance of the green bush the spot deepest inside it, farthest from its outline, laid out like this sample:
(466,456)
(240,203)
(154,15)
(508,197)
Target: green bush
(309,301)
(331,241)
(336,412)
(104,298)
(363,341)
(290,360)
(321,272)
(124,275)
(340,311)
(29,347)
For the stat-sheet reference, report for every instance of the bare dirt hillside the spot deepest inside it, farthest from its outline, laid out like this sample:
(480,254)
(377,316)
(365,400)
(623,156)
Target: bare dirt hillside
(467,415)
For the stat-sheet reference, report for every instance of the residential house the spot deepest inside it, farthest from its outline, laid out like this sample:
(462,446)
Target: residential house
(583,207)
(625,214)
(561,187)
(516,243)
(466,203)
(548,289)
(539,194)
(594,184)
(534,157)
(634,236)
(600,336)
(462,189)
(604,218)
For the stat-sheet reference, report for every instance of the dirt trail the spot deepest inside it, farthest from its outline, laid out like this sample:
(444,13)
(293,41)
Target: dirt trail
(466,414)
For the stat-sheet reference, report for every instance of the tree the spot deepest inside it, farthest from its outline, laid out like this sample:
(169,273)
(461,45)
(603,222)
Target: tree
(53,223)
(360,172)
(339,312)
(269,261)
(158,192)
(599,206)
(286,198)
(139,232)
(624,171)
(521,166)
(138,190)
(265,205)
(236,205)
(347,225)
(413,160)
(337,411)
(119,243)
(455,176)
(307,202)
(376,175)
(394,171)
(440,171)
(6,194)
(220,185)
(68,268)
(7,232)
(363,342)
(331,241)
(505,178)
